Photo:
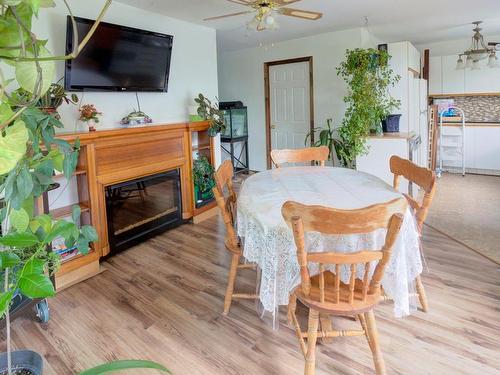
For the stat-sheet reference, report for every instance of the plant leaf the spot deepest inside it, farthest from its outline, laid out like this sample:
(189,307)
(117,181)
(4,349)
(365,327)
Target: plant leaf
(33,266)
(61,228)
(124,365)
(5,299)
(36,286)
(19,219)
(27,74)
(8,259)
(12,146)
(19,240)
(89,233)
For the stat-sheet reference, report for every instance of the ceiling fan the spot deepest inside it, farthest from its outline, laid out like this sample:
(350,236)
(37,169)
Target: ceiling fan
(266,11)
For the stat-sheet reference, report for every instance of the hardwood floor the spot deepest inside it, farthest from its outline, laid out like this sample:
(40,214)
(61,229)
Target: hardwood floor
(163,300)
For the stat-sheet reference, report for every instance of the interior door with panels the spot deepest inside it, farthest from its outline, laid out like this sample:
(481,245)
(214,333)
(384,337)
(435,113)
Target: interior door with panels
(289,105)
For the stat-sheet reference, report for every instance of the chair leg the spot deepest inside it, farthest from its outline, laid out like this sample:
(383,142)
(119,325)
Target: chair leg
(292,307)
(235,260)
(362,320)
(372,337)
(326,326)
(312,335)
(421,294)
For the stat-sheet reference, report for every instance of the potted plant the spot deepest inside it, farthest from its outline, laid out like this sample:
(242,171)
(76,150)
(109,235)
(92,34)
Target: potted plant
(369,77)
(203,178)
(326,137)
(210,112)
(89,115)
(30,152)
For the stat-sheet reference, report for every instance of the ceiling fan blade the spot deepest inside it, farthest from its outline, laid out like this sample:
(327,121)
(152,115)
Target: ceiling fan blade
(285,2)
(241,2)
(305,14)
(227,15)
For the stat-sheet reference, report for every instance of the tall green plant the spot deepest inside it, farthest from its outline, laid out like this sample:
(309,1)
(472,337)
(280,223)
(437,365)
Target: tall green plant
(369,77)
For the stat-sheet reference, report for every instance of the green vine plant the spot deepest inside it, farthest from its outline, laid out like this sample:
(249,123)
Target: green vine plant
(369,77)
(30,156)
(210,111)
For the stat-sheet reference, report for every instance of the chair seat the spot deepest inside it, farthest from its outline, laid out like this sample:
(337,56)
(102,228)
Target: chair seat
(343,307)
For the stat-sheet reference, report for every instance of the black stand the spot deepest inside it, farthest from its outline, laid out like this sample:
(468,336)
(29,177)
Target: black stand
(239,165)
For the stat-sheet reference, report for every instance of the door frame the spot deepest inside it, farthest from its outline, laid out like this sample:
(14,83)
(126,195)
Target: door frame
(267,96)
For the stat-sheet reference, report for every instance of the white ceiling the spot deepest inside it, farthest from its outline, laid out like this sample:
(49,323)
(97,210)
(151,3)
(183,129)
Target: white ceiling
(420,21)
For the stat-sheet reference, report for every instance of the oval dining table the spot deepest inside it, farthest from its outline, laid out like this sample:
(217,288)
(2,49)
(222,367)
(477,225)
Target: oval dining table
(268,241)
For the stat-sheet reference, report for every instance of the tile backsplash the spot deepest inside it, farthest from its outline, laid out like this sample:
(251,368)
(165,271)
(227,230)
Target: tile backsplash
(479,108)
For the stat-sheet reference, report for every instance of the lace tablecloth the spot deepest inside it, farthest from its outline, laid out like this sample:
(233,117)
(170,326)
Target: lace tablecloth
(268,241)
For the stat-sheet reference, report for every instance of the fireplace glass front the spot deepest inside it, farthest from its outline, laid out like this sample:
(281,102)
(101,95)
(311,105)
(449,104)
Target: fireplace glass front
(140,208)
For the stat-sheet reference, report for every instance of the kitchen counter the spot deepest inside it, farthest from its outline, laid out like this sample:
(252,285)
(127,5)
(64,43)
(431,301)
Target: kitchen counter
(467,123)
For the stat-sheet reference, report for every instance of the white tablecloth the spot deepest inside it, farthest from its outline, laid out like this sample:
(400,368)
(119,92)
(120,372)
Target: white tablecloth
(268,241)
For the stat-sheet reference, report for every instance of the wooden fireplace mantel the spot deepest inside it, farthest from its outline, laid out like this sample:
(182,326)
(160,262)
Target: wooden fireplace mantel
(113,156)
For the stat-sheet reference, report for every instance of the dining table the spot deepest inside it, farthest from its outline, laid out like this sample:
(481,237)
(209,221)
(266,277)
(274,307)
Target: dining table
(268,241)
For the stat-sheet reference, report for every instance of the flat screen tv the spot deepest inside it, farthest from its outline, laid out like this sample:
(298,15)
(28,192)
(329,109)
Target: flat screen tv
(118,58)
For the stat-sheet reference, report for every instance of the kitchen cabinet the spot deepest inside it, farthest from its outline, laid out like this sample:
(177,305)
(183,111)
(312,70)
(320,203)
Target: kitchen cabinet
(484,80)
(435,75)
(482,147)
(453,79)
(445,79)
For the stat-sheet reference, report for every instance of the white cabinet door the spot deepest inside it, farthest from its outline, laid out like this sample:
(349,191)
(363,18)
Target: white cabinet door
(483,80)
(486,147)
(453,79)
(435,76)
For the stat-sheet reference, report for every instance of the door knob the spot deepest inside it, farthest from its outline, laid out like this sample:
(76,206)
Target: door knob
(273,126)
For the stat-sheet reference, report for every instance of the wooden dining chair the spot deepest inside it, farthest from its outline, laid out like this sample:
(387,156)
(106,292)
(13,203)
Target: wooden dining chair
(426,180)
(226,200)
(325,294)
(310,154)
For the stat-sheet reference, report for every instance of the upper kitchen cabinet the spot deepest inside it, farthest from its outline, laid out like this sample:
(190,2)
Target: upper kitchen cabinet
(445,79)
(484,80)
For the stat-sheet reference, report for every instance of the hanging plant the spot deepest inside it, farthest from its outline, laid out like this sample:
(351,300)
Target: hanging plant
(369,77)
(210,112)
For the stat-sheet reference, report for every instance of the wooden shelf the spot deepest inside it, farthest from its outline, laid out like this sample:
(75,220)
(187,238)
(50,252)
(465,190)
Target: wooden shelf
(59,213)
(202,147)
(77,172)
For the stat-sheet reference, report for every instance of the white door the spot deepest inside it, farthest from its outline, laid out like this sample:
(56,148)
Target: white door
(289,105)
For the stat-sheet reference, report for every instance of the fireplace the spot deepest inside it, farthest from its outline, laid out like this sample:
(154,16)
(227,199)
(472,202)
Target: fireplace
(140,208)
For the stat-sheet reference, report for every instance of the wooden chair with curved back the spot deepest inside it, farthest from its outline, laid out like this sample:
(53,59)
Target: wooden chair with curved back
(426,180)
(227,205)
(310,154)
(325,294)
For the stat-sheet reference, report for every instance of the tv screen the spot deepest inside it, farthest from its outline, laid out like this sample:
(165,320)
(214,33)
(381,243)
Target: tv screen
(118,58)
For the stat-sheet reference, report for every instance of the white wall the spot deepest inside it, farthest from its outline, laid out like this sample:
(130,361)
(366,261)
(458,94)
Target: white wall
(241,77)
(193,70)
(193,66)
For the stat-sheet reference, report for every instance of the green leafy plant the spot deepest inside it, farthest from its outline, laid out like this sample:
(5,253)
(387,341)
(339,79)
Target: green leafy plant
(30,154)
(115,366)
(203,174)
(326,137)
(210,111)
(55,96)
(369,77)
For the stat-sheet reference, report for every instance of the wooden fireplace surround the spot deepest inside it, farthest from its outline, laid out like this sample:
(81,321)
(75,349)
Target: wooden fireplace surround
(109,157)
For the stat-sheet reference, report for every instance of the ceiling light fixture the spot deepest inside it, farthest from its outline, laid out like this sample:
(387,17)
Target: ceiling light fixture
(478,51)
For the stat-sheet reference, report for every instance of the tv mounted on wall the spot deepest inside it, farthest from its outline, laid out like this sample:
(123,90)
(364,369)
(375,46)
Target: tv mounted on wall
(118,58)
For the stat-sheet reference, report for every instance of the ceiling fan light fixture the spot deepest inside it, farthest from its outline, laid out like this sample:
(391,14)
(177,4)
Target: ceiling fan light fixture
(468,62)
(460,63)
(492,60)
(253,24)
(479,50)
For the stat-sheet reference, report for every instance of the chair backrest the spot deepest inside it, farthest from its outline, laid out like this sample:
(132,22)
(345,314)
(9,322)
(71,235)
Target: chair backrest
(226,201)
(331,221)
(423,177)
(302,155)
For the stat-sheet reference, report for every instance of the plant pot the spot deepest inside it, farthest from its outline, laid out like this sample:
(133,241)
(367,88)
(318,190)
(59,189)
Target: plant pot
(51,111)
(391,124)
(25,362)
(91,125)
